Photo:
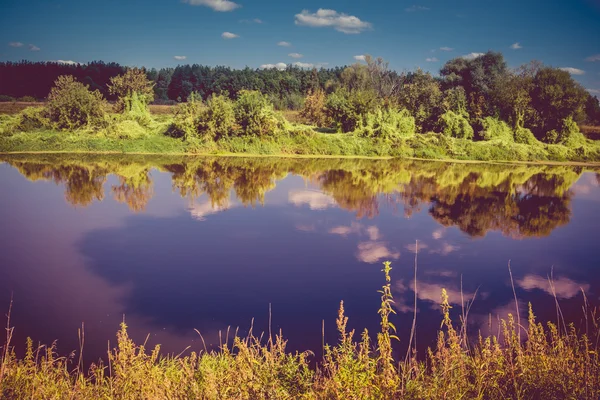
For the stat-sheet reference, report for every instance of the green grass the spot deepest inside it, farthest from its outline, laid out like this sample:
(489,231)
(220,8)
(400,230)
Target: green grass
(524,362)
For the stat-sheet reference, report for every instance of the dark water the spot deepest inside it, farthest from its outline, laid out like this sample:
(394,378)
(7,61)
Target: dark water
(172,244)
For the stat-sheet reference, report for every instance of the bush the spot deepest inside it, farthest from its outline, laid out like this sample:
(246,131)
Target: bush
(133,82)
(27,99)
(255,115)
(455,125)
(347,108)
(525,136)
(217,119)
(288,101)
(567,134)
(494,129)
(388,124)
(126,129)
(72,105)
(314,108)
(186,117)
(4,98)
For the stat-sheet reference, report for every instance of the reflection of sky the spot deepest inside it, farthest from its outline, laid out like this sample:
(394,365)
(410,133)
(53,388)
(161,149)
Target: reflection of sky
(182,265)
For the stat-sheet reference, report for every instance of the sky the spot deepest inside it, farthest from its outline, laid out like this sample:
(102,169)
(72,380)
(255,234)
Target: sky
(409,34)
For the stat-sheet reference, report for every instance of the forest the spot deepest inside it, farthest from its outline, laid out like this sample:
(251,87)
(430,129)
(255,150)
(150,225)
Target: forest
(477,108)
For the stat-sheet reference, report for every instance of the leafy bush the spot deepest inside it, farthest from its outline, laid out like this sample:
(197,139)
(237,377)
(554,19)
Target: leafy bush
(4,98)
(133,82)
(126,129)
(255,115)
(525,136)
(494,129)
(348,108)
(287,101)
(185,119)
(314,108)
(217,119)
(72,105)
(567,134)
(388,124)
(455,125)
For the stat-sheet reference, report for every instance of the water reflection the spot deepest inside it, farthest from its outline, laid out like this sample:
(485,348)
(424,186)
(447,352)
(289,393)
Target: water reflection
(519,201)
(210,242)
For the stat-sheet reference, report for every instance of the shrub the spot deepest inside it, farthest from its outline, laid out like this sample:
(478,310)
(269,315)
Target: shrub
(314,108)
(72,105)
(4,98)
(494,129)
(388,124)
(255,115)
(287,101)
(525,136)
(348,108)
(126,129)
(455,125)
(217,119)
(133,81)
(567,134)
(185,119)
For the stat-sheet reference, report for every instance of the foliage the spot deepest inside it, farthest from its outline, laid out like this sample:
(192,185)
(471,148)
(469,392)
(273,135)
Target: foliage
(72,105)
(255,115)
(525,136)
(455,125)
(5,98)
(347,108)
(133,90)
(186,118)
(494,129)
(555,97)
(217,119)
(421,95)
(314,108)
(387,124)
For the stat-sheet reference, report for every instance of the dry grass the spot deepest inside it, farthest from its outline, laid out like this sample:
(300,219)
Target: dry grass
(551,362)
(591,132)
(14,107)
(162,109)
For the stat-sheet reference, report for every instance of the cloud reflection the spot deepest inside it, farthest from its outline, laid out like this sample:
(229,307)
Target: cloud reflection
(564,288)
(314,199)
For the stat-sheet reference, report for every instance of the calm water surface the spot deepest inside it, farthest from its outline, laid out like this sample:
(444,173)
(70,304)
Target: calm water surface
(174,244)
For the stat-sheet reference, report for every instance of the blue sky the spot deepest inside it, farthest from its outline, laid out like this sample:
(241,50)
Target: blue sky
(407,33)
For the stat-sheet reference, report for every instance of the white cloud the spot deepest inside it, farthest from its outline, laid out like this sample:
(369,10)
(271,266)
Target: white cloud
(229,35)
(445,249)
(595,57)
(564,288)
(200,211)
(330,18)
(15,44)
(472,56)
(70,62)
(446,48)
(316,200)
(594,91)
(217,5)
(414,8)
(252,21)
(360,58)
(438,233)
(284,44)
(180,57)
(371,252)
(573,71)
(432,59)
(516,46)
(304,65)
(295,55)
(279,66)
(33,47)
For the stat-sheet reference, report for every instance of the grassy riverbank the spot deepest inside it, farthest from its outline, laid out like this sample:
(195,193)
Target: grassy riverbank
(302,140)
(525,361)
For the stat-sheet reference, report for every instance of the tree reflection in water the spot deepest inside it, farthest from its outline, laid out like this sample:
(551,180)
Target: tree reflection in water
(517,200)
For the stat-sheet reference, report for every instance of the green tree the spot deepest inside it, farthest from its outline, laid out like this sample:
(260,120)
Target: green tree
(133,82)
(72,105)
(422,97)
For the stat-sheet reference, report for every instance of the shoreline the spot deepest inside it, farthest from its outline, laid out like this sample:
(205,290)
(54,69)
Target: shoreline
(316,156)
